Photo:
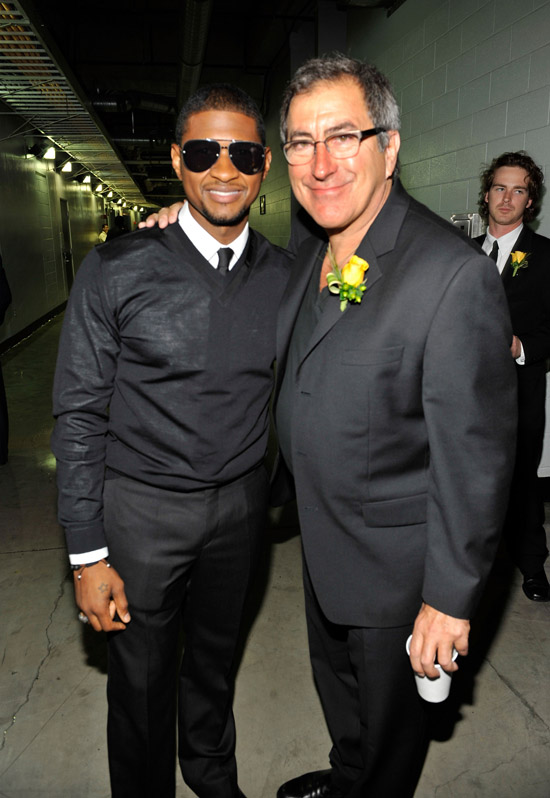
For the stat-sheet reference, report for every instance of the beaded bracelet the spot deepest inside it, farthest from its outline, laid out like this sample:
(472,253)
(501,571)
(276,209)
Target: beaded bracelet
(81,566)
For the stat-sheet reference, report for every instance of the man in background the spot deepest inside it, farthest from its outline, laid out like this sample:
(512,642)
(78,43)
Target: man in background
(510,196)
(119,228)
(103,235)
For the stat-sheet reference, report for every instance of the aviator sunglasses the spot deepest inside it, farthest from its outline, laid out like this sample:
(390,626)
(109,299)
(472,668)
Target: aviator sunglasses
(199,155)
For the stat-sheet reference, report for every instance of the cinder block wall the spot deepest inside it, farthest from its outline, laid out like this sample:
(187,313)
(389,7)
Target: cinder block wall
(472,79)
(275,223)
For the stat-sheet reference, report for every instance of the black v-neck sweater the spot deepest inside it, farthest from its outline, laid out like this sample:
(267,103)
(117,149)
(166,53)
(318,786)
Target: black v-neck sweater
(164,371)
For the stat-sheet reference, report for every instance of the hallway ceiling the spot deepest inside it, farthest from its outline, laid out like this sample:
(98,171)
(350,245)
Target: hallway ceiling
(103,80)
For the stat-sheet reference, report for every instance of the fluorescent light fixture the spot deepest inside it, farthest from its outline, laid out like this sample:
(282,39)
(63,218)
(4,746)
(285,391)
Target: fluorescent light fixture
(99,187)
(87,179)
(41,149)
(134,208)
(68,167)
(141,210)
(119,202)
(110,194)
(124,204)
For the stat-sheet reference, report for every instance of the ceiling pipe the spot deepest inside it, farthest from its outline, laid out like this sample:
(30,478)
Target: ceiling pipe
(194,32)
(133,101)
(159,141)
(196,19)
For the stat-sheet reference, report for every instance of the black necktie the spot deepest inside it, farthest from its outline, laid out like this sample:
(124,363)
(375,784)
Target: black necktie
(494,252)
(224,259)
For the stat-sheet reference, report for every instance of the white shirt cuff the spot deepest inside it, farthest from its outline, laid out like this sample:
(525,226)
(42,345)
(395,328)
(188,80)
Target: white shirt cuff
(521,359)
(88,556)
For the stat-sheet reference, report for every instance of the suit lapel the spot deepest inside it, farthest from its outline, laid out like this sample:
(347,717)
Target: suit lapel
(307,258)
(379,240)
(523,244)
(332,313)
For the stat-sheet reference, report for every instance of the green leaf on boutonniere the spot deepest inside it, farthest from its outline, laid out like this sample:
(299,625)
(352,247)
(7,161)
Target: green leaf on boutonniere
(350,281)
(519,261)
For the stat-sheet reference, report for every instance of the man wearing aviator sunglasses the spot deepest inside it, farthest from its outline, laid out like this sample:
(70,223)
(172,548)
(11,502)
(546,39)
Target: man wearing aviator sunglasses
(201,154)
(169,335)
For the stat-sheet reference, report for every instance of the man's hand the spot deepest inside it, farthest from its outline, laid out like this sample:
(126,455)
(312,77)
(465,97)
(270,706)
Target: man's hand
(434,636)
(516,347)
(164,217)
(100,595)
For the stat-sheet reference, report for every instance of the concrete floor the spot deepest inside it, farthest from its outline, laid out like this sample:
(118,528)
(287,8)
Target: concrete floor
(491,738)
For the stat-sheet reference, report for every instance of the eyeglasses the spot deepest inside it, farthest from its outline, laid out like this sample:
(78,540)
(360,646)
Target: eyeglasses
(199,155)
(339,145)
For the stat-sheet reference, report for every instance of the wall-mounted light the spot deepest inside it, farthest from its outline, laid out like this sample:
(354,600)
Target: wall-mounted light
(41,149)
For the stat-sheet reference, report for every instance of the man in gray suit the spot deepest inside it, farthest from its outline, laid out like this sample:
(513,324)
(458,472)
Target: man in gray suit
(396,415)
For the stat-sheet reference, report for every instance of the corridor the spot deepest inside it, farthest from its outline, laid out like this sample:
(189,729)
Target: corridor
(491,738)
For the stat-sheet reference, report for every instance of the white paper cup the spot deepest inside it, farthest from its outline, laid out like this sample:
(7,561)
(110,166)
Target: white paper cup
(433,690)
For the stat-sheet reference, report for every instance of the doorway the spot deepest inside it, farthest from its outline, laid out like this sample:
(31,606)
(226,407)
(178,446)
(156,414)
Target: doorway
(66,244)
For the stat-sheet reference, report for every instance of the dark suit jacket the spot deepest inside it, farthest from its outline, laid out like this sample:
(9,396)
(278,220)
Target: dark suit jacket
(528,295)
(400,459)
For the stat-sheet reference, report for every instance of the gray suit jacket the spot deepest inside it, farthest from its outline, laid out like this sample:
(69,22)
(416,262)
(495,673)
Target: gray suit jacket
(404,413)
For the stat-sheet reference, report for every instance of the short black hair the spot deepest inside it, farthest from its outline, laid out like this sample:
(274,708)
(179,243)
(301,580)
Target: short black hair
(534,183)
(219,97)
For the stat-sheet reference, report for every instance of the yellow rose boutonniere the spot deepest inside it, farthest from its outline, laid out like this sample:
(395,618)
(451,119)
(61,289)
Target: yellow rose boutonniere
(519,261)
(349,281)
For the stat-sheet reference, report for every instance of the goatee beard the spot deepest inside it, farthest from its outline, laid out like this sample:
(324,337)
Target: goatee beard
(219,221)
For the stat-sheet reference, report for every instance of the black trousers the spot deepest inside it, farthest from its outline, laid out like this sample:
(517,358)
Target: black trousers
(524,524)
(375,718)
(184,558)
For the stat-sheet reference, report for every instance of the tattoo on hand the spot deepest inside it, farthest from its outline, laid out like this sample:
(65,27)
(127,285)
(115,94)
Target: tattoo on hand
(103,587)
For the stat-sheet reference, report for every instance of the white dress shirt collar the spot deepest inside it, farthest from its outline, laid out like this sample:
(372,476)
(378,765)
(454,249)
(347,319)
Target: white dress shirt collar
(505,245)
(207,245)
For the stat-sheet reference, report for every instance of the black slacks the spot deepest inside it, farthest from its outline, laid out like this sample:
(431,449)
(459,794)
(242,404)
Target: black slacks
(375,718)
(524,523)
(184,558)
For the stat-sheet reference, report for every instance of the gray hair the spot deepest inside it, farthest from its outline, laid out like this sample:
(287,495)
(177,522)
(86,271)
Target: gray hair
(379,97)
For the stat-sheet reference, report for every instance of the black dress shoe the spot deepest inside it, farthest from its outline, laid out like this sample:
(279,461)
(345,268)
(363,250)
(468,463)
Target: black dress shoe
(317,784)
(536,587)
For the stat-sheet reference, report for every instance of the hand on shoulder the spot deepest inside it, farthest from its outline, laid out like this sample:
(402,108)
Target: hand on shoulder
(164,217)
